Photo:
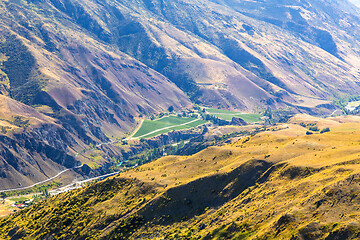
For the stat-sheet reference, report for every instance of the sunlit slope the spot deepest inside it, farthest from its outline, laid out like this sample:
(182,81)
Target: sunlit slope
(226,53)
(66,68)
(221,53)
(94,68)
(64,87)
(277,184)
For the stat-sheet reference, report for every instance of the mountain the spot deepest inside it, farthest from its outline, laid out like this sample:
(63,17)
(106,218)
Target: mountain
(243,54)
(279,184)
(76,74)
(66,89)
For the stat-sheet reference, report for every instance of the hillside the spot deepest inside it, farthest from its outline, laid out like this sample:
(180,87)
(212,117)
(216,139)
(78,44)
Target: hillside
(231,54)
(280,183)
(33,147)
(67,90)
(84,73)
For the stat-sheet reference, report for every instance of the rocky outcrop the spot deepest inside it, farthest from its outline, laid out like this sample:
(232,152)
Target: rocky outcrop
(27,158)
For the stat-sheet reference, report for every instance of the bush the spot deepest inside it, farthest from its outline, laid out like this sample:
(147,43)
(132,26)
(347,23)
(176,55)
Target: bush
(315,129)
(309,133)
(325,130)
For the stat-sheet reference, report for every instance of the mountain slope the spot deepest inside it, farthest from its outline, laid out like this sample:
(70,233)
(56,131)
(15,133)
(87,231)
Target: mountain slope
(28,156)
(69,90)
(77,75)
(279,184)
(92,69)
(237,54)
(224,52)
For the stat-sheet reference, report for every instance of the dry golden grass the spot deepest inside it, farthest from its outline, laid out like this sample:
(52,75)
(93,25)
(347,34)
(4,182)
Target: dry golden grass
(289,144)
(6,208)
(331,157)
(301,180)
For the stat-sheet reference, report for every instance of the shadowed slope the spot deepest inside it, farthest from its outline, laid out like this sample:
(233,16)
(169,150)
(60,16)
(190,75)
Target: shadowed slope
(277,184)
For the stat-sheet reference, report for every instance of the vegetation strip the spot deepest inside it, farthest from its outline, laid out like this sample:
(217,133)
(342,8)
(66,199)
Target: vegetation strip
(228,115)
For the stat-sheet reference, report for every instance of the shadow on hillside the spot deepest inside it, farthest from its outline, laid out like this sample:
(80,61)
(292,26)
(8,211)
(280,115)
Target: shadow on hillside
(185,201)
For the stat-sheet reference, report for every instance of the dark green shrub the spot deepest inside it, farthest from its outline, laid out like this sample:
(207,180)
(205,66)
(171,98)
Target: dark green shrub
(315,129)
(325,130)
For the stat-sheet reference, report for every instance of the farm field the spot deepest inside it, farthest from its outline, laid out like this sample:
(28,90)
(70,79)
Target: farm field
(228,115)
(152,128)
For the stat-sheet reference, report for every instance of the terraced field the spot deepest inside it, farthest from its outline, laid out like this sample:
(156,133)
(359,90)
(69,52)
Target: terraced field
(152,128)
(228,115)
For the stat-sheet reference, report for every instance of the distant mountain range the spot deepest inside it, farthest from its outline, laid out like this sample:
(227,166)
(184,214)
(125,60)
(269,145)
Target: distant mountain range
(83,71)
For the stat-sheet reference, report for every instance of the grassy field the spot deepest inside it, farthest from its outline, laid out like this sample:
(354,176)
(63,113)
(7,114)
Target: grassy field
(6,208)
(152,128)
(20,199)
(228,115)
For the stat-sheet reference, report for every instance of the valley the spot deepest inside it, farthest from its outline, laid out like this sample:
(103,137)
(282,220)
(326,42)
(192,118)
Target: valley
(178,197)
(148,130)
(179,119)
(73,77)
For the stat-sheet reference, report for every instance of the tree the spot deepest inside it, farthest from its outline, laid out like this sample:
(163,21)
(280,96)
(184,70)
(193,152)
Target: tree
(325,130)
(171,108)
(46,193)
(3,195)
(314,129)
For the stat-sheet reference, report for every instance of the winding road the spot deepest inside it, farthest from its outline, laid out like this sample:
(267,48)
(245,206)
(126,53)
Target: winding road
(38,183)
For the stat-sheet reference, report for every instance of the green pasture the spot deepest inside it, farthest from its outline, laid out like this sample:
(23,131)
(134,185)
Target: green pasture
(228,115)
(152,128)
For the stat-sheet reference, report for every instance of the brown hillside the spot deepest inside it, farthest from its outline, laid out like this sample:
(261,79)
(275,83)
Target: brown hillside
(279,184)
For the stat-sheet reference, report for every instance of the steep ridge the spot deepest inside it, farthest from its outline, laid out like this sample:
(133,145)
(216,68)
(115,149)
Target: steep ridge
(69,90)
(33,147)
(280,183)
(224,52)
(323,23)
(237,54)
